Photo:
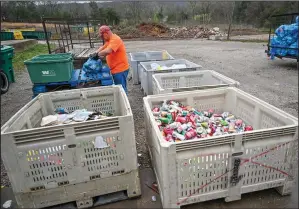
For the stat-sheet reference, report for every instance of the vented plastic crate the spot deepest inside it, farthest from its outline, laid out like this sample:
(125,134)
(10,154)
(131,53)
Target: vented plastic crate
(224,166)
(147,72)
(137,57)
(189,81)
(58,164)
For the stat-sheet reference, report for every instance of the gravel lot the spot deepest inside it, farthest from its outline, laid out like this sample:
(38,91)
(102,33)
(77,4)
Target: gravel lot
(274,81)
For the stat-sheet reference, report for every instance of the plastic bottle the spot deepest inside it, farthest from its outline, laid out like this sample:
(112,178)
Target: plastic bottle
(248,128)
(231,128)
(174,125)
(180,119)
(239,122)
(168,130)
(169,138)
(178,136)
(190,134)
(164,120)
(182,127)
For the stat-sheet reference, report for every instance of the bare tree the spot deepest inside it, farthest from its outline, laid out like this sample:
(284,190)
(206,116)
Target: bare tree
(192,5)
(205,7)
(229,14)
(134,10)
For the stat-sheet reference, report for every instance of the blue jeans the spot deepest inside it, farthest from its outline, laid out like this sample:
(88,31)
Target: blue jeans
(121,79)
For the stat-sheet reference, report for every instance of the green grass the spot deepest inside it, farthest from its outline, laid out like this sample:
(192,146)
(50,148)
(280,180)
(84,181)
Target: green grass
(28,53)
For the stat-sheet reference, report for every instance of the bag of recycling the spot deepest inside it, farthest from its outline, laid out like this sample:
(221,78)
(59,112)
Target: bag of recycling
(92,66)
(294,49)
(285,41)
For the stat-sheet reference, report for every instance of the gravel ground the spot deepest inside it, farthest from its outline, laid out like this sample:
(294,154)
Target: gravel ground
(274,81)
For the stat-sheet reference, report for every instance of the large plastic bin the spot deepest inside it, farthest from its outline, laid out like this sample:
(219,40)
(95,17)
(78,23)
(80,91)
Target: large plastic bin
(147,72)
(7,53)
(39,35)
(50,68)
(205,169)
(137,57)
(189,81)
(6,36)
(58,164)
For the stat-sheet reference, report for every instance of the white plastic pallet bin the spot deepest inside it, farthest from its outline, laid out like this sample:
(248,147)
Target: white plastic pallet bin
(188,81)
(137,57)
(58,164)
(147,72)
(205,169)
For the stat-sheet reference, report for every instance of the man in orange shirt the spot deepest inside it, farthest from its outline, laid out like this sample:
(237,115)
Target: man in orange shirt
(116,56)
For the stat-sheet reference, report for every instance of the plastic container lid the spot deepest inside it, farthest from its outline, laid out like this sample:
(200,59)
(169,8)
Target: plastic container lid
(50,58)
(5,49)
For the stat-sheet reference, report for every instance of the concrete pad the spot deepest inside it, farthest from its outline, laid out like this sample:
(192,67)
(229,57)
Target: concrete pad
(19,45)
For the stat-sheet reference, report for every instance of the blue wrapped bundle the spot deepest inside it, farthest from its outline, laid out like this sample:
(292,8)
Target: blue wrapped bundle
(294,49)
(286,40)
(106,69)
(92,66)
(104,75)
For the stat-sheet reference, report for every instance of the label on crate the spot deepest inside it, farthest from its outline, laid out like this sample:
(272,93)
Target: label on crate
(100,143)
(48,73)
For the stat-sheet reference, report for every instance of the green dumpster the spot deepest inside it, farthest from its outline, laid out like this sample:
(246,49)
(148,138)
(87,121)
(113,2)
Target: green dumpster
(39,35)
(6,36)
(50,68)
(7,53)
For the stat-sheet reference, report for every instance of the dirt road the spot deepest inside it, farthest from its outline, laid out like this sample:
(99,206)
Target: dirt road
(274,81)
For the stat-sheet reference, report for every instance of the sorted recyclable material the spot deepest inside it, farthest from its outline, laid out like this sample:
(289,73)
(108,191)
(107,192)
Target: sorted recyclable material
(7,204)
(155,66)
(285,41)
(92,66)
(94,69)
(73,117)
(61,110)
(178,122)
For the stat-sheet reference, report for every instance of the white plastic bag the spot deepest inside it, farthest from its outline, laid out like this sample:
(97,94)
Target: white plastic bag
(49,120)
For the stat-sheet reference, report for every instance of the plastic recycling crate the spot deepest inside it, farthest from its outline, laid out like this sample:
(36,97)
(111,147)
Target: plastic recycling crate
(189,81)
(50,68)
(58,164)
(137,57)
(224,166)
(147,72)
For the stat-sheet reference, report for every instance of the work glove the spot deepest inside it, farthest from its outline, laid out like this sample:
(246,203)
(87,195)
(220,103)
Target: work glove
(94,56)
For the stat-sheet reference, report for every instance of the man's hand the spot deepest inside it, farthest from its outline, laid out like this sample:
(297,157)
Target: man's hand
(101,57)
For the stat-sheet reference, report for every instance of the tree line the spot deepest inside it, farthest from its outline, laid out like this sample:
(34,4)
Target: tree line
(251,13)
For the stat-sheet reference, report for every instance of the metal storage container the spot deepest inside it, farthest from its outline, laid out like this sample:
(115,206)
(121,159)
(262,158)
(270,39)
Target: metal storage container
(188,81)
(137,57)
(224,166)
(58,164)
(148,72)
